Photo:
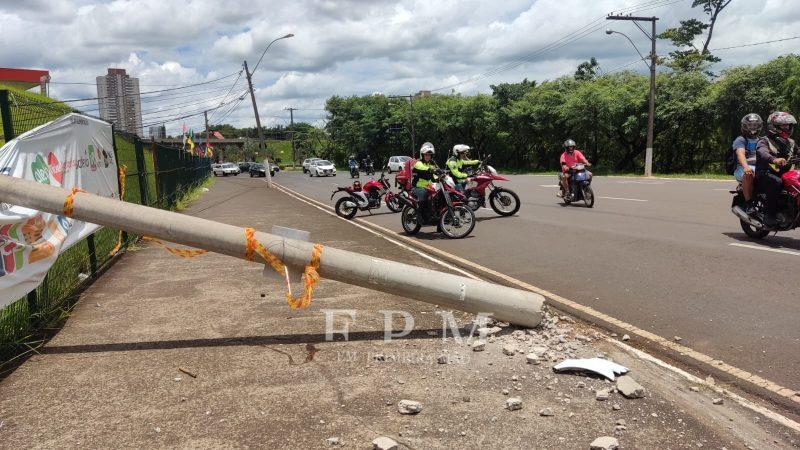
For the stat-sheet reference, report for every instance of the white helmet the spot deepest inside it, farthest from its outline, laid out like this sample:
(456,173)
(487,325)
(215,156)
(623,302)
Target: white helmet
(427,148)
(460,148)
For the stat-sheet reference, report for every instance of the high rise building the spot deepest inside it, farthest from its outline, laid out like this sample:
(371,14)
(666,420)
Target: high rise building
(158,132)
(119,101)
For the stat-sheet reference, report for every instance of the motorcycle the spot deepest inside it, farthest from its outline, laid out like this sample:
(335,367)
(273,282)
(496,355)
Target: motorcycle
(354,173)
(445,208)
(369,169)
(366,197)
(580,186)
(788,215)
(503,201)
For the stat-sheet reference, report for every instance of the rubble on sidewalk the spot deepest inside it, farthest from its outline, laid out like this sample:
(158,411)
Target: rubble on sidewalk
(604,443)
(409,407)
(629,388)
(514,403)
(384,443)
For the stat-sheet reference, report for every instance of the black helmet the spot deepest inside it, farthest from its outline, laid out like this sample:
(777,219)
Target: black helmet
(569,143)
(751,125)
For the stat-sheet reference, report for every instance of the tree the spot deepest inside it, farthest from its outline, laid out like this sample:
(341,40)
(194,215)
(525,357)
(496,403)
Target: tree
(587,70)
(687,57)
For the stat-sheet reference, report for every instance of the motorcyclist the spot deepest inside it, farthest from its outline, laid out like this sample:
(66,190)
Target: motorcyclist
(772,153)
(569,158)
(352,163)
(745,149)
(423,171)
(457,161)
(368,163)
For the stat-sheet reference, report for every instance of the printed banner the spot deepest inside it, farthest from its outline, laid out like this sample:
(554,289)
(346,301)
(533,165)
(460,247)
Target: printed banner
(72,151)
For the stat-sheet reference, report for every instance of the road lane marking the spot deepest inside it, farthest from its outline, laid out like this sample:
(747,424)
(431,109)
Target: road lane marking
(642,182)
(626,199)
(766,249)
(720,189)
(751,382)
(548,185)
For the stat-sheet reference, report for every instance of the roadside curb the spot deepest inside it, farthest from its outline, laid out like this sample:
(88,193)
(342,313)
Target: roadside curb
(747,381)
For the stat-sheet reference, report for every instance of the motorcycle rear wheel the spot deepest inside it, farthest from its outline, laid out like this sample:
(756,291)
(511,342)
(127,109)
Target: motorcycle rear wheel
(588,196)
(750,231)
(465,219)
(346,207)
(409,218)
(504,201)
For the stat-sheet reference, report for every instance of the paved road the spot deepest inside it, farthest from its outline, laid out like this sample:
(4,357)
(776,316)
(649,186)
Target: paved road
(664,255)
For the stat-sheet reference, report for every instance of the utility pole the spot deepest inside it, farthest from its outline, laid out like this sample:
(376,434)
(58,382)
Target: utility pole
(205,115)
(413,131)
(258,125)
(291,125)
(648,157)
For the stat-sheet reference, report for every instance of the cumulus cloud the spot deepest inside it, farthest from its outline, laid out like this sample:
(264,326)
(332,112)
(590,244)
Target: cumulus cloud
(345,47)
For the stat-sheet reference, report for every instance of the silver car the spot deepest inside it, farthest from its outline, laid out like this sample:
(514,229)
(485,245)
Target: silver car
(396,163)
(225,169)
(321,168)
(307,162)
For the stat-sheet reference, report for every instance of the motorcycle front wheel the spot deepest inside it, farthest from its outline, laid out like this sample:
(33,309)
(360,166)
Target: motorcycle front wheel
(393,204)
(588,196)
(410,220)
(753,232)
(346,207)
(457,222)
(504,201)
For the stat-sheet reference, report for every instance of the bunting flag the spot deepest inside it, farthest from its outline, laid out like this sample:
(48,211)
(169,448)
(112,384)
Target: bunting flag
(209,150)
(218,135)
(190,141)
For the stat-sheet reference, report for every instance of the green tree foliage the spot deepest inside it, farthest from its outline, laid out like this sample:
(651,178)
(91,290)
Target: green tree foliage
(522,125)
(587,70)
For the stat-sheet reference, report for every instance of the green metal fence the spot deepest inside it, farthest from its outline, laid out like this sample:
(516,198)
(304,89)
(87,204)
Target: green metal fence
(157,175)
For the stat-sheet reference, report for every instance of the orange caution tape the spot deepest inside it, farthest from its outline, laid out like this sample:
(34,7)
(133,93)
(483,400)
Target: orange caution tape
(122,170)
(310,274)
(68,208)
(182,252)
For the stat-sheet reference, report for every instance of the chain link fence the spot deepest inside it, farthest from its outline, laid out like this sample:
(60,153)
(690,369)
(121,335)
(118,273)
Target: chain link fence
(157,175)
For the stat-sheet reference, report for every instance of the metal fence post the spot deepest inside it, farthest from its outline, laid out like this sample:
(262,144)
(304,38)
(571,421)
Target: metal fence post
(5,112)
(141,171)
(119,182)
(92,254)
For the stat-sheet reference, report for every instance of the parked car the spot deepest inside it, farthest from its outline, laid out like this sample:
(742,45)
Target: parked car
(260,170)
(395,163)
(244,166)
(225,169)
(274,167)
(321,168)
(307,162)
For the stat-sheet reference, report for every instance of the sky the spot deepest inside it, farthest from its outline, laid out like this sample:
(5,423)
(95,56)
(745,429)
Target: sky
(346,47)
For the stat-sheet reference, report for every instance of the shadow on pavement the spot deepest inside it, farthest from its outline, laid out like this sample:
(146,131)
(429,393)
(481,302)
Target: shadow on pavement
(771,241)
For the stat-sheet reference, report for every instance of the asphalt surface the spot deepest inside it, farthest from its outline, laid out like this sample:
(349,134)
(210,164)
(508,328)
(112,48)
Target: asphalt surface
(664,255)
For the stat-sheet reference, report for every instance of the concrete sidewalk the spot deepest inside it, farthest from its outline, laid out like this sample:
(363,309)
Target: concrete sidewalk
(267,377)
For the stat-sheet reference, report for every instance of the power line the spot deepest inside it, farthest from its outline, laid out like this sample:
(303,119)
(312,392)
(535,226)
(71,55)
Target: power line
(755,43)
(187,115)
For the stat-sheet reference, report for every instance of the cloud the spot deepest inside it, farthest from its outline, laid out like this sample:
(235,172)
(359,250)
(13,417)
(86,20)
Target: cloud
(346,47)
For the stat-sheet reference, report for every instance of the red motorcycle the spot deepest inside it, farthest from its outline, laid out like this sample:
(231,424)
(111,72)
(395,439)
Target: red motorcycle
(366,197)
(503,201)
(444,208)
(788,215)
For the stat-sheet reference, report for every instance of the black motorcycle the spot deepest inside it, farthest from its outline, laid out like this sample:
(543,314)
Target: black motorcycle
(580,186)
(369,168)
(354,173)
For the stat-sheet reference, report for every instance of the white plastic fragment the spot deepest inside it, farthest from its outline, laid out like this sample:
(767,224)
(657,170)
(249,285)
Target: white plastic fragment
(599,366)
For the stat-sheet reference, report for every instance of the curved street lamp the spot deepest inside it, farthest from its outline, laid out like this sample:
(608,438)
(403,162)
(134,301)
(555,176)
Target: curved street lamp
(644,59)
(268,46)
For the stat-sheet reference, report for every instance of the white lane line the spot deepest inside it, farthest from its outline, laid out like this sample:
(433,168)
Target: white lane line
(326,209)
(642,182)
(548,185)
(766,249)
(626,199)
(722,189)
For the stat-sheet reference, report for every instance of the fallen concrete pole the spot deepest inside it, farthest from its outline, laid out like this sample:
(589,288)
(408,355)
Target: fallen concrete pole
(451,291)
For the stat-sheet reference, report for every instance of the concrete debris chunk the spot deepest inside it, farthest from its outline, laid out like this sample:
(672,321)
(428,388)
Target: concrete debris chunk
(332,441)
(626,337)
(488,331)
(532,358)
(546,412)
(384,443)
(602,395)
(509,350)
(478,346)
(514,403)
(599,366)
(409,407)
(628,387)
(442,359)
(717,401)
(604,443)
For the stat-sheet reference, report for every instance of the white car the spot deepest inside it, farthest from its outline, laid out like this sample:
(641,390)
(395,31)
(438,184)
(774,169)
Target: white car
(396,163)
(321,168)
(225,169)
(307,162)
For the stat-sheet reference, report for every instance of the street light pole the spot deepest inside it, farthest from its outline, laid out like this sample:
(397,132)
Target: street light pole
(648,156)
(411,111)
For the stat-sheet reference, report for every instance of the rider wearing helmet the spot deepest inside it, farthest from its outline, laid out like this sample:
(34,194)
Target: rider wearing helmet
(772,153)
(352,163)
(745,148)
(423,171)
(456,162)
(569,158)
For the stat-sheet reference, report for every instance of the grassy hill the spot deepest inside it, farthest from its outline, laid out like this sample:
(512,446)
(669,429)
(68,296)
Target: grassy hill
(29,110)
